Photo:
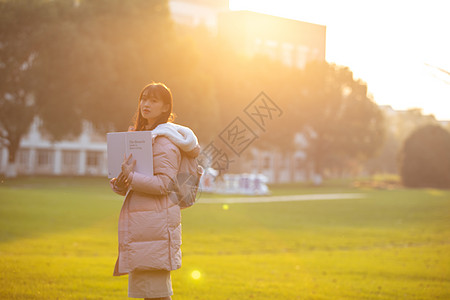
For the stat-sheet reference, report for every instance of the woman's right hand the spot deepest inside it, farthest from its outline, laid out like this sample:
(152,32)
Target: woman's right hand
(119,184)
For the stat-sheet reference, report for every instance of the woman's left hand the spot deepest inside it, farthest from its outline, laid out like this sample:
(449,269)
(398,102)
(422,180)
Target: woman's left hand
(128,165)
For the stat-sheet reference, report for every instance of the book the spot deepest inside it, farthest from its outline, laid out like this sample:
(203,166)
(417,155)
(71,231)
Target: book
(137,143)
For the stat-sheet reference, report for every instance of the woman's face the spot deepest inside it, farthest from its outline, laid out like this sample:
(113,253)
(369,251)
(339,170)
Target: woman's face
(151,108)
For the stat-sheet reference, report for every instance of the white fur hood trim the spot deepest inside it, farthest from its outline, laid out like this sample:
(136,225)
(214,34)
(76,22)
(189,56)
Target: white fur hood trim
(181,136)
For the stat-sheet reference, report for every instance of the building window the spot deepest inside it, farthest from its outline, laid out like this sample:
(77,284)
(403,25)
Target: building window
(302,56)
(267,162)
(70,158)
(282,162)
(254,164)
(93,158)
(44,157)
(24,157)
(287,54)
(299,163)
(271,49)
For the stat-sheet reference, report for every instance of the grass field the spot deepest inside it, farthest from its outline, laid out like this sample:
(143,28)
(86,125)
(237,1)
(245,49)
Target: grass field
(58,240)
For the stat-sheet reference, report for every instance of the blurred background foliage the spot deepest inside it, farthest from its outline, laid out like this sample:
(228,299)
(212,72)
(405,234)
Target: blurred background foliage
(425,158)
(66,63)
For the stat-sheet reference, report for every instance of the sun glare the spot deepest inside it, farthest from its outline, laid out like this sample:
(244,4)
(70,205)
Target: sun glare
(385,45)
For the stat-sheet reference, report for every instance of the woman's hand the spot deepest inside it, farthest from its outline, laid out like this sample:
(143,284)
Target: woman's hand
(120,183)
(128,166)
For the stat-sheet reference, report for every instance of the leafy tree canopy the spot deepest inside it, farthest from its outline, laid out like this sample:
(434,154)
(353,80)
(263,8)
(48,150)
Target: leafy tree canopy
(340,120)
(425,158)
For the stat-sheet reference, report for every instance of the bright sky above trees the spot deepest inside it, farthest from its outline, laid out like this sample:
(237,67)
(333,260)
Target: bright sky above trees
(395,46)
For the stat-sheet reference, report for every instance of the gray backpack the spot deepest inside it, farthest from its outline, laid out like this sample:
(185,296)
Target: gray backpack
(186,184)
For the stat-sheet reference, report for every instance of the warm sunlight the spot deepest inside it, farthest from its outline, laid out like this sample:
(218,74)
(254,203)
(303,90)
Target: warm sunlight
(396,47)
(224,149)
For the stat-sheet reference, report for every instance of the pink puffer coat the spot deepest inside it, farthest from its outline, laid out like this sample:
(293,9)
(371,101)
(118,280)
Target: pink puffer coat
(149,222)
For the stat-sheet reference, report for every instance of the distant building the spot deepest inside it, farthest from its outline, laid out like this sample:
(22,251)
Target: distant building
(37,155)
(277,168)
(290,41)
(198,12)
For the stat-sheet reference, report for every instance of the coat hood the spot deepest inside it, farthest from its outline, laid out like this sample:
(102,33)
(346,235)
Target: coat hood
(183,137)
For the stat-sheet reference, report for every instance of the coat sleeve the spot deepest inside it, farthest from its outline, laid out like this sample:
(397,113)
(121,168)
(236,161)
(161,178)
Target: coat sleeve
(166,163)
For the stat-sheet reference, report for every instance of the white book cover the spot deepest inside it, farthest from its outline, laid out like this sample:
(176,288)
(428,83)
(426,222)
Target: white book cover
(137,143)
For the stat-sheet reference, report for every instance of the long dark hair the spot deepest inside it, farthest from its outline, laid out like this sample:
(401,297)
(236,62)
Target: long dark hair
(161,92)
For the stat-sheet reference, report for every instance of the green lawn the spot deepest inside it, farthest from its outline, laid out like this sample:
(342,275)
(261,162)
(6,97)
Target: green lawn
(58,241)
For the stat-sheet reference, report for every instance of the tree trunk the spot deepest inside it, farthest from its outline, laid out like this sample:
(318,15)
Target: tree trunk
(318,160)
(292,165)
(11,168)
(276,167)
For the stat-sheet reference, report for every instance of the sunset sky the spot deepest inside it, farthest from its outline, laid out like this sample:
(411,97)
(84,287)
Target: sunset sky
(395,46)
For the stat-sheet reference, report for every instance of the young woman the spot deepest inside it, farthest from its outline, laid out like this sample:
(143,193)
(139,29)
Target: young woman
(150,221)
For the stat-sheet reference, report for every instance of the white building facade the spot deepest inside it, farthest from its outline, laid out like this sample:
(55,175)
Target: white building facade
(37,155)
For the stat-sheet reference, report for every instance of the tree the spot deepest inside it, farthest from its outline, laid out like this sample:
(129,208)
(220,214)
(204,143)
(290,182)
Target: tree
(103,56)
(425,158)
(119,47)
(67,63)
(37,38)
(340,121)
(238,79)
(398,126)
(19,26)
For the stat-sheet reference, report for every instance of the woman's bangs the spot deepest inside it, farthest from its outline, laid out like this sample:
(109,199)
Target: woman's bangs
(153,91)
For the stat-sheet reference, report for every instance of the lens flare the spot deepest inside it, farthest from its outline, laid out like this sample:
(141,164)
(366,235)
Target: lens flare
(196,274)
